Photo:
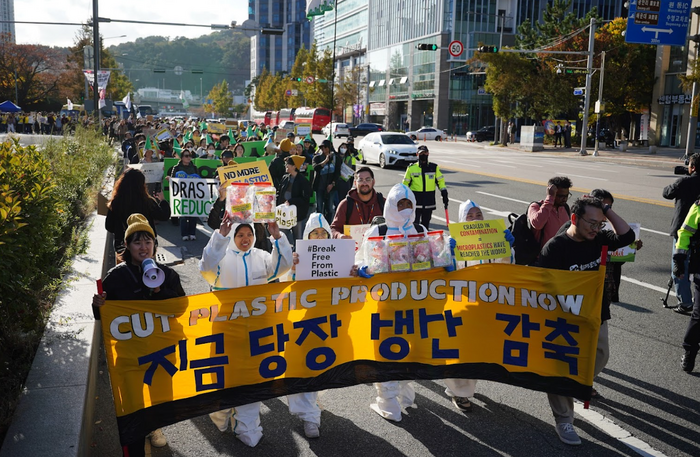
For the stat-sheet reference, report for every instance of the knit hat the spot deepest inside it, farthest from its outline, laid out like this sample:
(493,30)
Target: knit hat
(286,145)
(137,223)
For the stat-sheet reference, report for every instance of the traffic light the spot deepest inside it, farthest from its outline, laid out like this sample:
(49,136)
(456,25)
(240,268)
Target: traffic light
(582,103)
(295,79)
(158,70)
(427,47)
(489,49)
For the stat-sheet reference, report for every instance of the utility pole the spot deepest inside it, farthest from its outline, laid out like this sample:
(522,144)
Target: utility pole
(587,103)
(693,118)
(96,56)
(600,102)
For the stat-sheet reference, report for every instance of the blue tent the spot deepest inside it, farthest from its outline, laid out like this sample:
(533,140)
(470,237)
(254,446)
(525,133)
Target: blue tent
(9,107)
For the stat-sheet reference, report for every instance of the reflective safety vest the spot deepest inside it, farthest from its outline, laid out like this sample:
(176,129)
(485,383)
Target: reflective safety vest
(422,181)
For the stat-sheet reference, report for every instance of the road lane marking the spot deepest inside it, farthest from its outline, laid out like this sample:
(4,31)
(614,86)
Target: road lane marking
(649,201)
(504,198)
(503,214)
(579,176)
(615,431)
(654,231)
(644,284)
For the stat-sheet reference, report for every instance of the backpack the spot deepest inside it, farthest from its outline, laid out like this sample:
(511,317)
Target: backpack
(348,207)
(527,246)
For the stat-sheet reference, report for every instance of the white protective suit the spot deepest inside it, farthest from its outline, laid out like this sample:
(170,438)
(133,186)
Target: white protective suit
(466,387)
(393,395)
(225,267)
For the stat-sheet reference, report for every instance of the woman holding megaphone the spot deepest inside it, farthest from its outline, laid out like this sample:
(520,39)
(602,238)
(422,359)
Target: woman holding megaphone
(139,277)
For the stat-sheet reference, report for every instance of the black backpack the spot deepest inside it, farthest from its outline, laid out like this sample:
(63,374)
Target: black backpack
(527,247)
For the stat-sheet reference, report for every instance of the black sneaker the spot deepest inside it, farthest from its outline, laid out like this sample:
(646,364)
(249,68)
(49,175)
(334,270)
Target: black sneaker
(688,361)
(680,309)
(462,404)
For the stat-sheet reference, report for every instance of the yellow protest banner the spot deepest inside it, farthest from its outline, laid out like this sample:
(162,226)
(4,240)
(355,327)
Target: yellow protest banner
(480,240)
(248,172)
(175,359)
(216,128)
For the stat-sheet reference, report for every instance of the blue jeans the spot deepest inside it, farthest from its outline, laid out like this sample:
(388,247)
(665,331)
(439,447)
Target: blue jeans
(682,286)
(327,203)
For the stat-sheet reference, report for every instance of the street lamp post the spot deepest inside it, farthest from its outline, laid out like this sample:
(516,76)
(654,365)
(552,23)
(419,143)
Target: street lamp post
(600,101)
(96,57)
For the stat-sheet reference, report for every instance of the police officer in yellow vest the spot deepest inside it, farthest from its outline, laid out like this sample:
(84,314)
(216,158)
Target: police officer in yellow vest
(422,178)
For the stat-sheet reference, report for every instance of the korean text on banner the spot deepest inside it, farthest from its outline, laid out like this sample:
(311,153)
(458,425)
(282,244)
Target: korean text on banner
(152,171)
(480,240)
(324,259)
(248,172)
(192,196)
(180,358)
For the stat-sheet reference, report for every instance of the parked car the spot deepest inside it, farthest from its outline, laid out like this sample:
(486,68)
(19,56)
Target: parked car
(287,125)
(387,149)
(484,133)
(364,129)
(427,133)
(338,129)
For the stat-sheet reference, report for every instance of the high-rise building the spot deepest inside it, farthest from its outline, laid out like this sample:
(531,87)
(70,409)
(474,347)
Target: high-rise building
(7,13)
(285,29)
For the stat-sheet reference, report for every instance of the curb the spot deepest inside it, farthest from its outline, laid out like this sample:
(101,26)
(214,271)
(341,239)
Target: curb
(55,412)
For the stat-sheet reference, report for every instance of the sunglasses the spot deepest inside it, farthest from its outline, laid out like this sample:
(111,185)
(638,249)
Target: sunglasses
(186,155)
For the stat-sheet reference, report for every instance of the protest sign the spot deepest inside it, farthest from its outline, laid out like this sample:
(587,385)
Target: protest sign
(356,232)
(152,171)
(163,134)
(213,127)
(627,253)
(170,360)
(168,164)
(192,196)
(248,172)
(206,168)
(253,148)
(302,129)
(280,135)
(480,240)
(324,259)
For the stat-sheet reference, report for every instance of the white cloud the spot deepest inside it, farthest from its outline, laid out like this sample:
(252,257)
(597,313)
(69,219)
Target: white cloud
(78,11)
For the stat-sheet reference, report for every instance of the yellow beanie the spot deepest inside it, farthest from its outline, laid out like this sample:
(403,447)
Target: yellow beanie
(137,223)
(286,145)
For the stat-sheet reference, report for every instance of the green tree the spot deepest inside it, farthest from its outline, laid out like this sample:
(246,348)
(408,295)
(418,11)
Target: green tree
(221,98)
(298,72)
(263,92)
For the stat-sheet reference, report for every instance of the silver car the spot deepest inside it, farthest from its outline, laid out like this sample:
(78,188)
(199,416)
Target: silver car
(387,149)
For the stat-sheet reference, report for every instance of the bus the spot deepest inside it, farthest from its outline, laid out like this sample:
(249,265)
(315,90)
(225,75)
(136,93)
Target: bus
(261,117)
(145,110)
(286,114)
(75,113)
(274,119)
(120,110)
(317,117)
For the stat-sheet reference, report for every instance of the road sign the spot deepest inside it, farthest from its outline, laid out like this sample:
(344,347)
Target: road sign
(658,22)
(579,90)
(295,92)
(288,93)
(309,79)
(178,70)
(456,48)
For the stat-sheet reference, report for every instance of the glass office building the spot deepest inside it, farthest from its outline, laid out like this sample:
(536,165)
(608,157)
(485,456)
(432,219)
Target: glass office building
(276,52)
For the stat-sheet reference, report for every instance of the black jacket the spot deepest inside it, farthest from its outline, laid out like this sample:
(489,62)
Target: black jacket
(277,168)
(301,193)
(125,282)
(115,221)
(685,191)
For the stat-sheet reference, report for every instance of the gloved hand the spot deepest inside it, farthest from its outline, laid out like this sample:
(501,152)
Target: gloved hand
(445,200)
(509,237)
(453,245)
(679,265)
(450,267)
(363,272)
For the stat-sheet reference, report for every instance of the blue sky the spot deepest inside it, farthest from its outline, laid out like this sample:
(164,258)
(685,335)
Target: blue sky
(180,11)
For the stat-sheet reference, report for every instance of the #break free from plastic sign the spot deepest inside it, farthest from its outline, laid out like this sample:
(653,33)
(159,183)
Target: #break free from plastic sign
(526,326)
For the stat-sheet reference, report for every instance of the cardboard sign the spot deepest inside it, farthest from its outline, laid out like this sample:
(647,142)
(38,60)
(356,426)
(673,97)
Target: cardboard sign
(192,196)
(216,128)
(356,232)
(152,171)
(325,259)
(627,253)
(163,134)
(248,172)
(302,129)
(480,240)
(280,135)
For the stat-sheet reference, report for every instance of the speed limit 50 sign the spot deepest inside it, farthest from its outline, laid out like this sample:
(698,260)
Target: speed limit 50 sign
(456,48)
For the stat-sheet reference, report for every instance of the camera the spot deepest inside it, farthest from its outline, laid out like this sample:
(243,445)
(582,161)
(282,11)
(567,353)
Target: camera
(680,170)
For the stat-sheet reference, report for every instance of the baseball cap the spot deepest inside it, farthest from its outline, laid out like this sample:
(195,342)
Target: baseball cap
(327,143)
(227,153)
(290,135)
(422,149)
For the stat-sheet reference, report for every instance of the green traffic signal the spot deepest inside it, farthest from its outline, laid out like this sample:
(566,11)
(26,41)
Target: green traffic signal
(487,49)
(427,47)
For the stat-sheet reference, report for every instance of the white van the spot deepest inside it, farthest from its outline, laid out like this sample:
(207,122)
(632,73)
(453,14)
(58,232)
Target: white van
(338,129)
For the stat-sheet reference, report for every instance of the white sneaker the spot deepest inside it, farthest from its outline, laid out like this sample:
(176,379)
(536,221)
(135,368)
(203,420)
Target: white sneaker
(567,434)
(192,237)
(311,430)
(157,438)
(185,238)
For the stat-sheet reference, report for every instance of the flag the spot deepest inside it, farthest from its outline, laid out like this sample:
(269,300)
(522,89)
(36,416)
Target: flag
(176,146)
(202,126)
(103,94)
(210,140)
(127,101)
(69,105)
(188,136)
(149,144)
(230,134)
(251,130)
(318,7)
(183,99)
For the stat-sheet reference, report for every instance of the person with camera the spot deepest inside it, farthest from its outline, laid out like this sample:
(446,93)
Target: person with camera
(684,191)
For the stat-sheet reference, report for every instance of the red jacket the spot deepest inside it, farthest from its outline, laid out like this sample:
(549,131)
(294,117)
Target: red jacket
(360,212)
(547,219)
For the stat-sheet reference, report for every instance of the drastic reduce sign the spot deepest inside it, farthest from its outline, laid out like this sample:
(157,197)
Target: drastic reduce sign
(192,197)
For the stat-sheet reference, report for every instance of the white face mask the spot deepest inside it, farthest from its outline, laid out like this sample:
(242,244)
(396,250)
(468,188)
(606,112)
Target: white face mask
(342,150)
(406,213)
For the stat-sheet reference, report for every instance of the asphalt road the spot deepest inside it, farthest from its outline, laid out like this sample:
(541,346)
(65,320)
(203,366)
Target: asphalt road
(649,404)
